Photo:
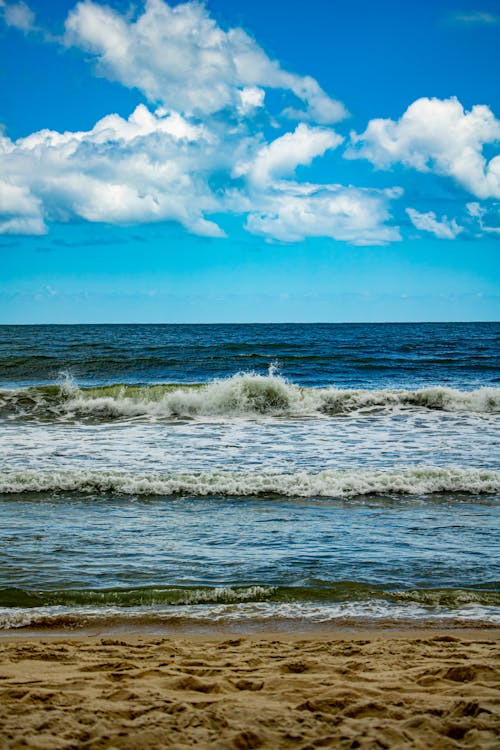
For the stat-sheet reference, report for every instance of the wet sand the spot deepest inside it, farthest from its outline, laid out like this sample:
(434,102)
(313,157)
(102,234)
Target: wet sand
(379,689)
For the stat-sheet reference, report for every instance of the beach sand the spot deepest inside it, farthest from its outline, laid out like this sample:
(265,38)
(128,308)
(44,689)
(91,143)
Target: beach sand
(379,689)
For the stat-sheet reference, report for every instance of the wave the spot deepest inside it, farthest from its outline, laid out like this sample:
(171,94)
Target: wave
(317,592)
(242,395)
(329,483)
(253,607)
(250,617)
(135,597)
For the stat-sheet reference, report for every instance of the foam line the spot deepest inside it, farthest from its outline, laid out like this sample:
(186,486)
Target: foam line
(330,483)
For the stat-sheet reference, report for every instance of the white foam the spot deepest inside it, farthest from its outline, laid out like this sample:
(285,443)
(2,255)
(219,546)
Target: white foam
(258,615)
(248,394)
(244,395)
(330,483)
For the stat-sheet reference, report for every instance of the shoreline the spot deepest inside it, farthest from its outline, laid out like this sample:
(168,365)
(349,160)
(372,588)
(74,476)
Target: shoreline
(382,631)
(344,688)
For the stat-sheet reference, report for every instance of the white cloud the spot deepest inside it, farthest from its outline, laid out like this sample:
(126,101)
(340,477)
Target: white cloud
(156,167)
(147,168)
(23,225)
(251,98)
(17,200)
(435,135)
(20,210)
(443,229)
(280,157)
(488,218)
(292,212)
(18,15)
(178,56)
(180,162)
(289,211)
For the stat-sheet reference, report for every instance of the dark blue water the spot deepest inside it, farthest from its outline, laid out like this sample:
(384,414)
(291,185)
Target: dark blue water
(404,355)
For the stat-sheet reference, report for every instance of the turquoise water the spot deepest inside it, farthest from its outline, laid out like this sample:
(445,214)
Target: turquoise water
(246,477)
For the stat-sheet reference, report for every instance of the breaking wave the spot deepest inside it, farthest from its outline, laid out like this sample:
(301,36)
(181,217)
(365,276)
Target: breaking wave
(250,617)
(329,483)
(347,603)
(242,395)
(317,592)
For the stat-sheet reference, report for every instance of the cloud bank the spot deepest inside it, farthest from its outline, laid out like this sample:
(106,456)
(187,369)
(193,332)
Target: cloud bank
(199,147)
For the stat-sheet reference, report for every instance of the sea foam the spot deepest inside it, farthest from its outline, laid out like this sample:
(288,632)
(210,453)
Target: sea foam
(253,616)
(330,483)
(242,395)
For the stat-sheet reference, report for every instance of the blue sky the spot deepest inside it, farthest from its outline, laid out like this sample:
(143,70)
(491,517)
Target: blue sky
(236,161)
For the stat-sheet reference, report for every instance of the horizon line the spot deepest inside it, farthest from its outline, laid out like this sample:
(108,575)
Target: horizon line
(269,323)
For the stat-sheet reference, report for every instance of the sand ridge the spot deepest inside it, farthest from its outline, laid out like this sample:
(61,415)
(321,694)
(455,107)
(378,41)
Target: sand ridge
(378,691)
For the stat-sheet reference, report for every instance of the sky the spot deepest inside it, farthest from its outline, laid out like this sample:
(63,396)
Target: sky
(236,161)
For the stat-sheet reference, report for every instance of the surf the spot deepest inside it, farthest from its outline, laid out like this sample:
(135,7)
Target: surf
(243,395)
(323,484)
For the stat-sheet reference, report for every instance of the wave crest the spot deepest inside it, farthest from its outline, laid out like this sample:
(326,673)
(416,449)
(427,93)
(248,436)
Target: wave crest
(329,483)
(242,395)
(320,592)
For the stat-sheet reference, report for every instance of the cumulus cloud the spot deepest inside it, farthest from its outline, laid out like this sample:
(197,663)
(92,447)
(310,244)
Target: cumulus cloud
(180,57)
(23,225)
(289,211)
(280,157)
(20,210)
(149,167)
(292,212)
(196,151)
(435,135)
(443,228)
(159,165)
(156,167)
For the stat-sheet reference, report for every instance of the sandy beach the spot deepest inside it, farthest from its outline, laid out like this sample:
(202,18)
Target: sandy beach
(387,689)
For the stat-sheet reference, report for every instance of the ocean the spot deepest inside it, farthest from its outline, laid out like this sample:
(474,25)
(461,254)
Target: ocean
(238,478)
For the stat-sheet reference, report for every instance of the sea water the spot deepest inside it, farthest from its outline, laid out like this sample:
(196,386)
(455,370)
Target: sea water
(246,477)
